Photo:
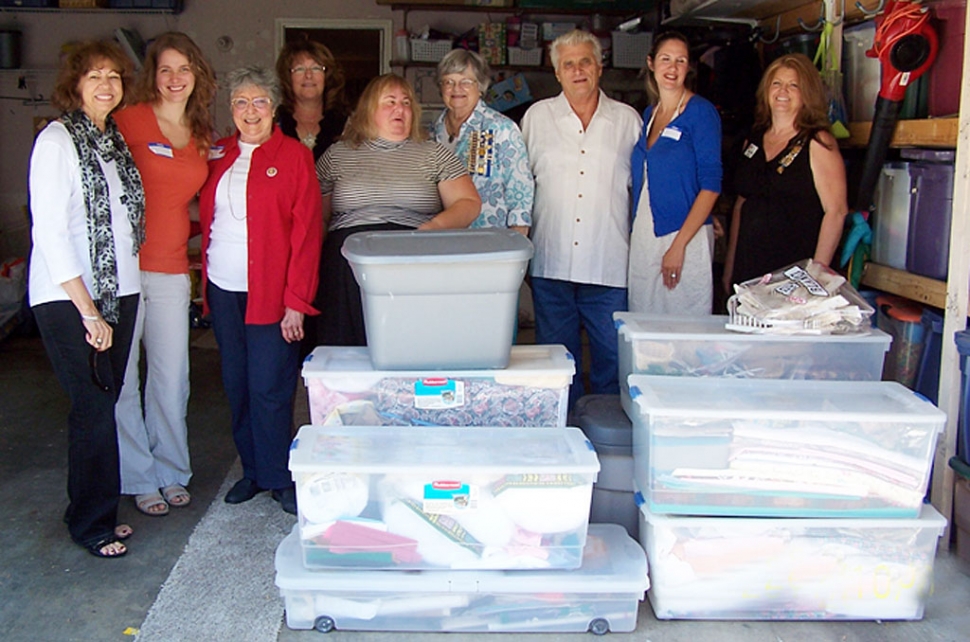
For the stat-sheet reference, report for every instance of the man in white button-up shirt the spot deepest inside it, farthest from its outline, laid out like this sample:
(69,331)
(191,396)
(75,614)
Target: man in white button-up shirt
(579,146)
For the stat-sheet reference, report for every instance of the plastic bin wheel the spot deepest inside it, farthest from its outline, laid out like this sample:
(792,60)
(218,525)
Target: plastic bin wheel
(324,624)
(599,626)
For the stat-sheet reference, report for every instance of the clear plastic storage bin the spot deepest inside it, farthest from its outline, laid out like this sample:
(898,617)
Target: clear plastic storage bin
(705,446)
(702,347)
(602,595)
(345,389)
(442,497)
(725,568)
(439,299)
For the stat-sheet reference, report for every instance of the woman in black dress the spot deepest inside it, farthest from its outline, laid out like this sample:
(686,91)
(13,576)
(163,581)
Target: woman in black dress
(790,180)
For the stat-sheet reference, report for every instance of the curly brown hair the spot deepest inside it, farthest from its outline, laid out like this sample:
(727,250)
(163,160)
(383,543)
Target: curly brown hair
(333,93)
(81,59)
(197,108)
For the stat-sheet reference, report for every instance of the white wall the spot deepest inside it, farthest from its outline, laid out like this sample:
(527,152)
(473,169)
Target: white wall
(249,23)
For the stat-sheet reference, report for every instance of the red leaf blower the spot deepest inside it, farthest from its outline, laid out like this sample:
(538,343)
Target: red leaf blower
(906,45)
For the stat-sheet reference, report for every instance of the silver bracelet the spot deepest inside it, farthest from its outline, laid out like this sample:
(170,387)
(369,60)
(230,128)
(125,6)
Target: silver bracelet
(91,318)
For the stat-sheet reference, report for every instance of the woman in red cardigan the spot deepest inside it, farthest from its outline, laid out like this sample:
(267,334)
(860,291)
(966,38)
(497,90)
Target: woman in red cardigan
(262,230)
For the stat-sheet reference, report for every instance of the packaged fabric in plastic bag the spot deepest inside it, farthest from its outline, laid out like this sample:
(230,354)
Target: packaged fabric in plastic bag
(803,298)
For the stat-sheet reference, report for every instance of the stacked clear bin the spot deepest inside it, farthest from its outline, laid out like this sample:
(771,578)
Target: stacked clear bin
(453,528)
(778,477)
(439,488)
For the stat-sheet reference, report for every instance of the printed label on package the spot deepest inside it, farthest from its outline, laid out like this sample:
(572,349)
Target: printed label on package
(438,393)
(447,497)
(805,279)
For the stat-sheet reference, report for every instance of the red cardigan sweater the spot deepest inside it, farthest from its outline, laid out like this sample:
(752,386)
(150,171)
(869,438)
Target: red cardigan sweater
(284,224)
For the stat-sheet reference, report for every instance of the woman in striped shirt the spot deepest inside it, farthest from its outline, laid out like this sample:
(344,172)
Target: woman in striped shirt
(384,174)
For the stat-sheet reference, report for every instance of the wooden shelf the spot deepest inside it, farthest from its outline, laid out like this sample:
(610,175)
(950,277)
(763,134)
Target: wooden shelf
(446,5)
(904,284)
(932,132)
(100,10)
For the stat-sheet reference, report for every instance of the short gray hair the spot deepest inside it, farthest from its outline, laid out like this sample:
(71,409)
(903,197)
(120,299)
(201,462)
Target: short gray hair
(254,75)
(572,39)
(457,60)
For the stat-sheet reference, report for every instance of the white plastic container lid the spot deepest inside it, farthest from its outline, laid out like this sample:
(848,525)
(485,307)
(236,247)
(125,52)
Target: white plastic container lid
(624,571)
(640,327)
(435,451)
(549,366)
(437,246)
(928,518)
(782,399)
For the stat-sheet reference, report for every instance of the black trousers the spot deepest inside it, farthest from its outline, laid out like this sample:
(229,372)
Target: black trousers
(93,475)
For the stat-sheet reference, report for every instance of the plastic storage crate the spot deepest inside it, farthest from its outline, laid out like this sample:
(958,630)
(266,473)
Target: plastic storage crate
(345,389)
(602,595)
(725,568)
(930,210)
(602,420)
(963,431)
(902,319)
(525,57)
(861,73)
(890,222)
(429,50)
(463,498)
(630,50)
(705,446)
(702,347)
(439,299)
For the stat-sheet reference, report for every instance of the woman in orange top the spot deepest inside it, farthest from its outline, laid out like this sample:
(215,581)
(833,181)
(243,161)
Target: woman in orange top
(169,133)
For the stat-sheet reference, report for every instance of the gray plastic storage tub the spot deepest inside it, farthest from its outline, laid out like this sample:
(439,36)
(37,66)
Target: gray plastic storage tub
(604,422)
(439,299)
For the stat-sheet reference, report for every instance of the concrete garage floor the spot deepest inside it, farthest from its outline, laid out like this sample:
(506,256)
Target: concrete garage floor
(52,590)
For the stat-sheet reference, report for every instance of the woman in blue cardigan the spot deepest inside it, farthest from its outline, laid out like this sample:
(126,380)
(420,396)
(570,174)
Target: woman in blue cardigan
(676,168)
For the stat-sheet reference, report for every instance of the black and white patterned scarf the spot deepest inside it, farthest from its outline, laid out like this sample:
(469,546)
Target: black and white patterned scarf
(91,144)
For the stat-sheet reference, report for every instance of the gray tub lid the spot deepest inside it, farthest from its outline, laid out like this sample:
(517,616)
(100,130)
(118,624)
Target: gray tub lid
(437,246)
(603,420)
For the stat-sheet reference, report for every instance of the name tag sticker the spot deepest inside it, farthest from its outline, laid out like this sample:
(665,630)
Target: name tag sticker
(671,132)
(216,151)
(161,149)
(751,150)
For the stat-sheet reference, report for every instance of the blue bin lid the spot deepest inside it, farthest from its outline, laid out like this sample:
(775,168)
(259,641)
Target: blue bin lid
(928,155)
(963,342)
(603,420)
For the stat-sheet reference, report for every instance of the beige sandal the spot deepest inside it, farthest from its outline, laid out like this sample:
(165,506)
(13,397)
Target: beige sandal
(151,504)
(176,495)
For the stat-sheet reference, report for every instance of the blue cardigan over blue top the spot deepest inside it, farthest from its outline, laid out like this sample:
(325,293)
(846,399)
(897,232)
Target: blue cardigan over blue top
(684,160)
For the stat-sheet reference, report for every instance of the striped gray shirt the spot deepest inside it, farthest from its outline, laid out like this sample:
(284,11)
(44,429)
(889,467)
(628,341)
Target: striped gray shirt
(386,182)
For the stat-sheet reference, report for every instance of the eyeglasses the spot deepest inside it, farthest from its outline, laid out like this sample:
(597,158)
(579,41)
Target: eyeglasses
(464,83)
(241,104)
(301,70)
(95,375)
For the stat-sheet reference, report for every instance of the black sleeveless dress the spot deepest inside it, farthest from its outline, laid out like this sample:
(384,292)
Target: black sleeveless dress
(782,213)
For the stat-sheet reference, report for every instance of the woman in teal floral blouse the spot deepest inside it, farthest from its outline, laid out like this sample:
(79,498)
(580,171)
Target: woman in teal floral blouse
(489,143)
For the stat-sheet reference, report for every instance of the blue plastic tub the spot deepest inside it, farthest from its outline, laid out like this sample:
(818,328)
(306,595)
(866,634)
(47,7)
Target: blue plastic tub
(963,431)
(928,377)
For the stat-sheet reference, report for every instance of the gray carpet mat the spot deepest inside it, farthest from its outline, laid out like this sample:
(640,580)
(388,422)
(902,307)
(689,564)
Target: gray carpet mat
(222,587)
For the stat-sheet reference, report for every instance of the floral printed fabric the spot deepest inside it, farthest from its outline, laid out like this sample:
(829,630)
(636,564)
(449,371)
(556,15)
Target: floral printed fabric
(491,145)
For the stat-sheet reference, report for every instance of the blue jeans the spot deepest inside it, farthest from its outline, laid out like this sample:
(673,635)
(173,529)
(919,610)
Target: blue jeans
(259,372)
(93,474)
(562,308)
